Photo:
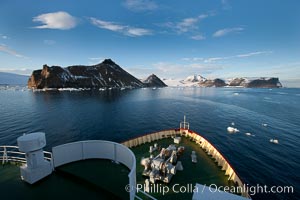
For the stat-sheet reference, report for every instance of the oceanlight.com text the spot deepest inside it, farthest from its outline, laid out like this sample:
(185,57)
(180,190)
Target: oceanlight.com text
(213,188)
(251,190)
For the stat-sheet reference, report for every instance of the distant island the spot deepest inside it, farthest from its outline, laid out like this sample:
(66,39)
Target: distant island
(12,79)
(110,75)
(246,82)
(104,75)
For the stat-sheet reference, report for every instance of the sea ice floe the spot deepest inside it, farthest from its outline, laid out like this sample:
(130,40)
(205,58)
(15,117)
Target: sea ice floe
(249,134)
(275,141)
(232,130)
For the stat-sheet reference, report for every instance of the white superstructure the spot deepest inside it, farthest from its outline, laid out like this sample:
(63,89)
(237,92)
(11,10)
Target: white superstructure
(36,166)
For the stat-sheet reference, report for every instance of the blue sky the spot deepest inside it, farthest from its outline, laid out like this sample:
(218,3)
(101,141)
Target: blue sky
(173,39)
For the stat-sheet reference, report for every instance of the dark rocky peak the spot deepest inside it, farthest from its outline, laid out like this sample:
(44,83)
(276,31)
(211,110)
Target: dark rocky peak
(45,67)
(150,78)
(108,62)
(154,81)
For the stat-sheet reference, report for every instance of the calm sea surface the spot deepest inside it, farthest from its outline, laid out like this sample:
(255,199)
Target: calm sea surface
(120,115)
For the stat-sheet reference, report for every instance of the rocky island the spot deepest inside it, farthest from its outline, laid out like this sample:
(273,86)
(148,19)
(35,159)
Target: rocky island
(104,75)
(262,82)
(153,81)
(246,82)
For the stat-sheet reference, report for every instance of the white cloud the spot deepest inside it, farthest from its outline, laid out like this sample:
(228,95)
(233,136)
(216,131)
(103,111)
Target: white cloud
(226,31)
(140,5)
(214,59)
(49,42)
(198,37)
(192,59)
(6,49)
(4,36)
(56,20)
(253,54)
(124,29)
(137,32)
(188,24)
(106,25)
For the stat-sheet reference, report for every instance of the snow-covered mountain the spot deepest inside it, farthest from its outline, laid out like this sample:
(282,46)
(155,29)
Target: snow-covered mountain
(250,82)
(195,78)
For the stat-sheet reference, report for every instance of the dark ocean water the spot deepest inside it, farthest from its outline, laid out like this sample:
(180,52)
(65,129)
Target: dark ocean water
(120,115)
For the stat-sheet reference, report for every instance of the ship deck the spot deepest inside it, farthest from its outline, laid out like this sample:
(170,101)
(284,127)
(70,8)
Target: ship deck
(104,179)
(92,179)
(205,171)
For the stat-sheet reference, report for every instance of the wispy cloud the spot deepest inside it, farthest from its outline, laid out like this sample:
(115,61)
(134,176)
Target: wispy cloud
(56,20)
(187,24)
(4,36)
(49,42)
(140,5)
(6,49)
(214,59)
(124,29)
(198,37)
(253,54)
(226,31)
(192,59)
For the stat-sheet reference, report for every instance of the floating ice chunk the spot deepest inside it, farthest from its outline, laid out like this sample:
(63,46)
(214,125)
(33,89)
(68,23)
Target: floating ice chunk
(275,141)
(232,130)
(265,125)
(248,134)
(232,123)
(236,93)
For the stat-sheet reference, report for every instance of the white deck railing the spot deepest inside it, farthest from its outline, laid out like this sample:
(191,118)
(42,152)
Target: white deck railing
(97,149)
(12,154)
